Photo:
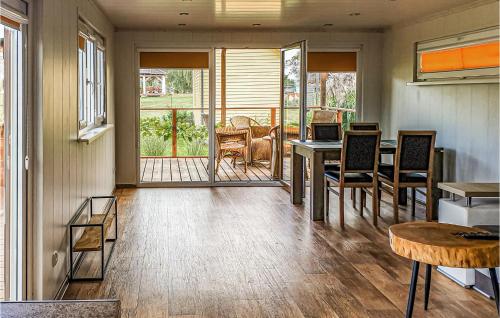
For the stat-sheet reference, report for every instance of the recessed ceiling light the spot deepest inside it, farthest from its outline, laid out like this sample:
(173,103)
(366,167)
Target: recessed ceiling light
(354,14)
(256,24)
(327,25)
(184,13)
(181,24)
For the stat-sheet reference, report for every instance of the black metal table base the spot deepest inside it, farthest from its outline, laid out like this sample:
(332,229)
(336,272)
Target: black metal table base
(428,273)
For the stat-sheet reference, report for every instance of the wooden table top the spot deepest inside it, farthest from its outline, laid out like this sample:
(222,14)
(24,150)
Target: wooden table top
(436,244)
(471,189)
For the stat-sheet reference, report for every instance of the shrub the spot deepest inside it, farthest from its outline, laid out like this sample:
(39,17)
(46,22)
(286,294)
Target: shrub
(153,146)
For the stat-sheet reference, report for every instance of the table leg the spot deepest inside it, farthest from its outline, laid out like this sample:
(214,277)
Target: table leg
(428,273)
(316,186)
(297,177)
(403,196)
(413,289)
(437,176)
(494,282)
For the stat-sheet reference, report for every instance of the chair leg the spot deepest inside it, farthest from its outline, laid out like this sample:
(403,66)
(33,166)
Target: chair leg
(413,201)
(327,198)
(428,202)
(341,206)
(363,199)
(379,197)
(427,289)
(375,207)
(353,197)
(218,163)
(395,204)
(494,281)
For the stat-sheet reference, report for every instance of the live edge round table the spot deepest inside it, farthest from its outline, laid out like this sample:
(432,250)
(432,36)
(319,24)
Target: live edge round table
(436,244)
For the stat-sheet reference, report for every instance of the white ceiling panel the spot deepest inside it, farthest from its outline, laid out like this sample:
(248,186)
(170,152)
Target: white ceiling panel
(269,14)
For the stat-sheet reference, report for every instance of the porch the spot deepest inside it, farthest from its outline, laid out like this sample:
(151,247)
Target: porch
(184,169)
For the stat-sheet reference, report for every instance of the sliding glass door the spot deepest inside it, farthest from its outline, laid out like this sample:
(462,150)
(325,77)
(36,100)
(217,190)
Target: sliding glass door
(12,158)
(293,101)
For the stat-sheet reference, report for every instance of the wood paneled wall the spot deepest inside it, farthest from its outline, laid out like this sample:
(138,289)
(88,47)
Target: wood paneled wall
(66,171)
(125,65)
(466,117)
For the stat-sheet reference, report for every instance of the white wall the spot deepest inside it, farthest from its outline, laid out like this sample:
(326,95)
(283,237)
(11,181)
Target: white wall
(466,117)
(66,171)
(125,63)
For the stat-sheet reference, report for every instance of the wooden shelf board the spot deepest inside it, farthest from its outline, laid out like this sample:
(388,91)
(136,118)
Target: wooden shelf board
(91,237)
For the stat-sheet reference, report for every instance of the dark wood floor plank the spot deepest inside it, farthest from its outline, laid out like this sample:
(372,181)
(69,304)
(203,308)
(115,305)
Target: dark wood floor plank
(247,252)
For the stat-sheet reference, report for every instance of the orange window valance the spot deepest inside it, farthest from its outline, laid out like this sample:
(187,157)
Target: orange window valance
(331,62)
(174,59)
(81,43)
(485,55)
(10,23)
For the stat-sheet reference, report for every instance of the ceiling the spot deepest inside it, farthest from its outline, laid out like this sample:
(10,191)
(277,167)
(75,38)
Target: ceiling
(269,14)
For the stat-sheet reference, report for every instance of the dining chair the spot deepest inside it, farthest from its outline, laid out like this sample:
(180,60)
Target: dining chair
(412,168)
(363,126)
(358,169)
(326,131)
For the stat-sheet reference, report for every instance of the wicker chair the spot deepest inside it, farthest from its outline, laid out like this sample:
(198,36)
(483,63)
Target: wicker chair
(259,139)
(232,143)
(323,116)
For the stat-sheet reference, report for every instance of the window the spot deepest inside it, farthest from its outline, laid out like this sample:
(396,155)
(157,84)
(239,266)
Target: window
(91,79)
(464,56)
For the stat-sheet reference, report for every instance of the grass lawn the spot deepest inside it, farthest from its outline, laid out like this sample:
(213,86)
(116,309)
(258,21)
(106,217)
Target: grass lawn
(175,101)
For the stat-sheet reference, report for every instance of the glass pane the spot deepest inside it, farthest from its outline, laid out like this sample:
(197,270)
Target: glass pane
(82,62)
(174,125)
(100,82)
(247,100)
(291,104)
(90,59)
(331,97)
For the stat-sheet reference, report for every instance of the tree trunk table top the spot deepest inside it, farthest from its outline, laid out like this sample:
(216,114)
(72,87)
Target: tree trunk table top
(436,244)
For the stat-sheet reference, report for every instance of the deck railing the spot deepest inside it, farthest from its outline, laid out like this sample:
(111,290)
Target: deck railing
(268,115)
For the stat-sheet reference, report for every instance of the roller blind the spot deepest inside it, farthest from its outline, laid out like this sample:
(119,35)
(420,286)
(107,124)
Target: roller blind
(174,60)
(483,55)
(331,61)
(10,23)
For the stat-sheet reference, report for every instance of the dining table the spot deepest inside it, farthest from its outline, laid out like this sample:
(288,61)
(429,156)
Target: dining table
(320,151)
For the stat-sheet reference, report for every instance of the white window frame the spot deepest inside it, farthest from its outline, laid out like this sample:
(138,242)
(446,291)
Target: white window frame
(92,100)
(455,41)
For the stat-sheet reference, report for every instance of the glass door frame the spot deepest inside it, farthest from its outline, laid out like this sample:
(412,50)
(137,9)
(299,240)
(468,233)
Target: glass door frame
(17,147)
(211,130)
(302,102)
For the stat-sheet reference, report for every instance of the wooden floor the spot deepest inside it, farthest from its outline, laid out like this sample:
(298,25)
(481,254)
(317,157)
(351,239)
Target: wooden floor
(195,169)
(247,252)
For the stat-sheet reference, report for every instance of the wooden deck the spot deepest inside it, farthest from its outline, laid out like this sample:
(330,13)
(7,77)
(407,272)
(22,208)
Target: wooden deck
(157,170)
